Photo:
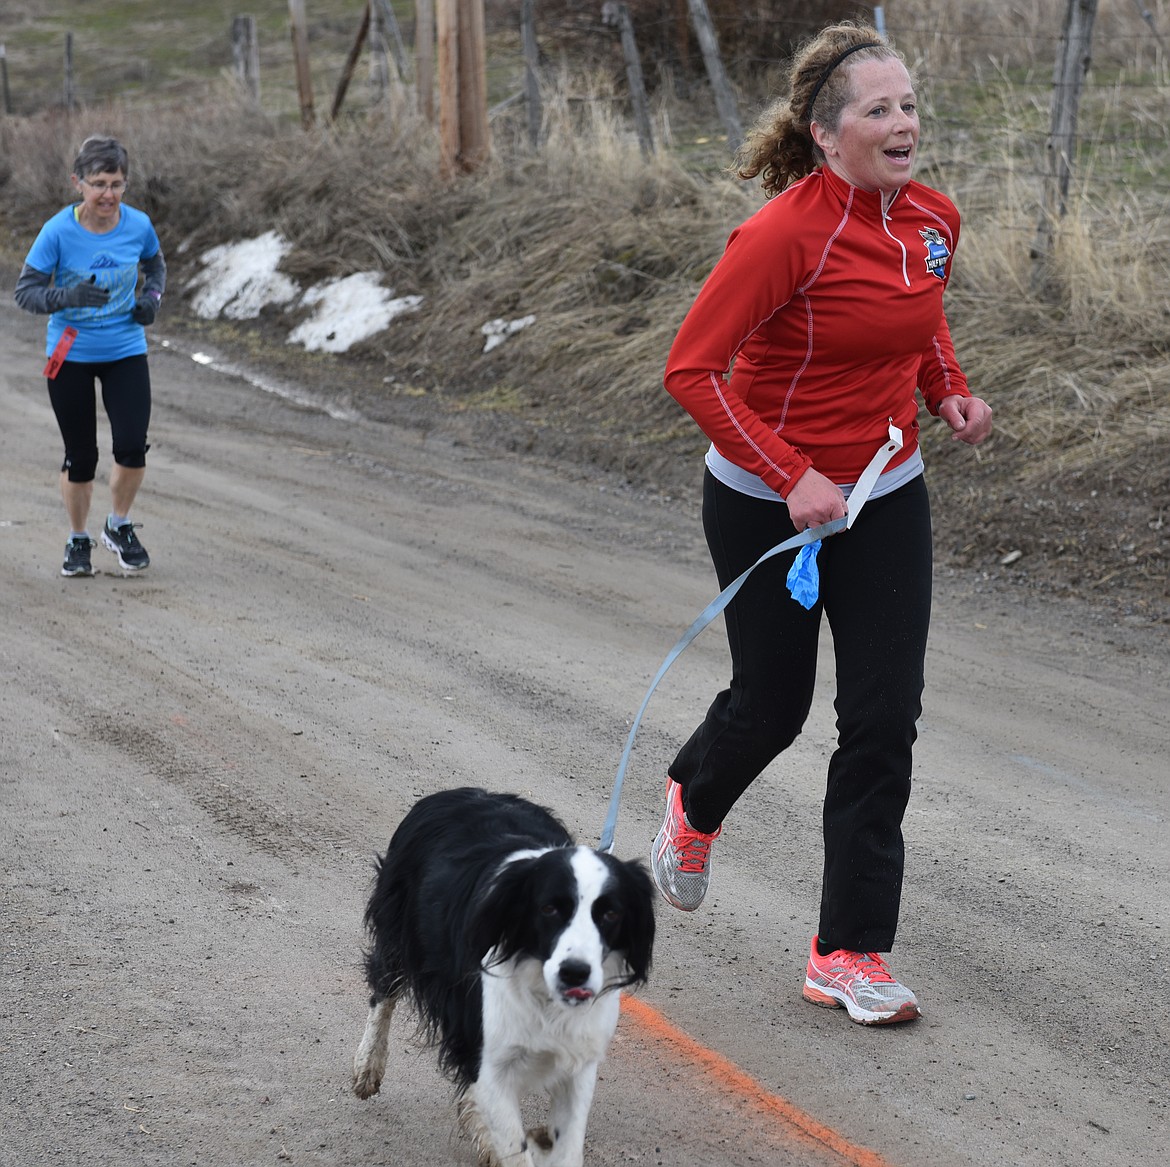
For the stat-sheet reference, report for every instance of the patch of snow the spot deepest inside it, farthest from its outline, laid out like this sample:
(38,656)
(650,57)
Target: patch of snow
(239,279)
(349,309)
(497,331)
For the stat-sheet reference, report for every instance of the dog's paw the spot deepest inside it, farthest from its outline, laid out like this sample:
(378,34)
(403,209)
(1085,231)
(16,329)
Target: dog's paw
(473,1127)
(367,1081)
(539,1138)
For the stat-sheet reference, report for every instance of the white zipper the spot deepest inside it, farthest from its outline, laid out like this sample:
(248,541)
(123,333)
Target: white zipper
(901,245)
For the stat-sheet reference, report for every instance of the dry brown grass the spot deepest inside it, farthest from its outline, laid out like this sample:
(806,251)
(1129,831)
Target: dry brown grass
(608,249)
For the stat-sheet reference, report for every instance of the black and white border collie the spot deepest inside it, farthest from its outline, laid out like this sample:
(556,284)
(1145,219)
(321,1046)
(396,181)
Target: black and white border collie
(512,944)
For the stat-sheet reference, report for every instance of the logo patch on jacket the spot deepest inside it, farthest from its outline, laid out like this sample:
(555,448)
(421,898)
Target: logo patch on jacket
(937,252)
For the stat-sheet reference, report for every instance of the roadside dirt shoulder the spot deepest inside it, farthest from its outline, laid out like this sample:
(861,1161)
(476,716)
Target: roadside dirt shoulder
(343,614)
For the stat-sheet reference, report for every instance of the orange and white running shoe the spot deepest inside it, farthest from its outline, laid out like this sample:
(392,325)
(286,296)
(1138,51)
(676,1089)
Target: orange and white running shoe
(860,982)
(680,860)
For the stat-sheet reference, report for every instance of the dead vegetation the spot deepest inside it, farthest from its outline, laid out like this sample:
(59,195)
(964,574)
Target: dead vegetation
(608,248)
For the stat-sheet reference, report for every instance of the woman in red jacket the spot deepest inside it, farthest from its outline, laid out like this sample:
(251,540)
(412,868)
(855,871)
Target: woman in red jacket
(800,358)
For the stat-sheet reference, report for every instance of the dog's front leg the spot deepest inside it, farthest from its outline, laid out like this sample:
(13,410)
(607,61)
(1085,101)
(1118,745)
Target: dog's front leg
(369,1063)
(570,1102)
(490,1114)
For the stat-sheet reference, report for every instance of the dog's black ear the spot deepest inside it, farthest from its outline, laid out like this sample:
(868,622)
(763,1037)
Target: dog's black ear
(498,916)
(637,920)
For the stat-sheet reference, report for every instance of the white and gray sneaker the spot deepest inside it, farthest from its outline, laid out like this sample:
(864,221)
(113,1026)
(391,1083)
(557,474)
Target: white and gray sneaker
(862,984)
(680,860)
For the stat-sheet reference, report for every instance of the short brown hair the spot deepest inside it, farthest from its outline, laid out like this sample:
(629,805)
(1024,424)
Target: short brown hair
(100,155)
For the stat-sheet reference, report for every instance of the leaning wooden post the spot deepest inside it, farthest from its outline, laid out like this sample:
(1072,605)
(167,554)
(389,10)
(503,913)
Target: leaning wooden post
(246,55)
(724,97)
(351,63)
(619,14)
(1072,64)
(300,43)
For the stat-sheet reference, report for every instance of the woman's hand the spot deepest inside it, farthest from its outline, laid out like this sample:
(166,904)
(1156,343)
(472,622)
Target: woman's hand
(85,295)
(968,417)
(814,501)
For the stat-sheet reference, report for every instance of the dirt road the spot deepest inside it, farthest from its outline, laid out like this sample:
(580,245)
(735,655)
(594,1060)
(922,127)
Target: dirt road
(198,765)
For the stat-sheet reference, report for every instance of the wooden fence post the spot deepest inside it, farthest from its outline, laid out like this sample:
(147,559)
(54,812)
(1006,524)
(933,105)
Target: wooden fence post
(246,55)
(463,125)
(619,14)
(70,92)
(300,43)
(473,115)
(379,54)
(1148,17)
(7,105)
(531,75)
(447,40)
(1072,64)
(424,57)
(724,96)
(397,49)
(682,40)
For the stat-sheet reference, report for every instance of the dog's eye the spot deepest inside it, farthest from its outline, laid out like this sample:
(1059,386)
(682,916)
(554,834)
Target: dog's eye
(549,910)
(610,916)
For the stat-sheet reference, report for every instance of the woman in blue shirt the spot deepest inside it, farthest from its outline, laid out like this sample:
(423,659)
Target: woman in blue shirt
(83,272)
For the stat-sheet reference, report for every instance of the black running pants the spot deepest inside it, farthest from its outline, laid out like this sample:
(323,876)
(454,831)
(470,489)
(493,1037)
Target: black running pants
(875,593)
(126,396)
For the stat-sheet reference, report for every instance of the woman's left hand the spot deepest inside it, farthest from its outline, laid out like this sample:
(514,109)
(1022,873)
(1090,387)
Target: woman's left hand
(968,417)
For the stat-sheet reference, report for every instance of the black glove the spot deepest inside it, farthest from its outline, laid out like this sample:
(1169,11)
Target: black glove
(87,295)
(145,309)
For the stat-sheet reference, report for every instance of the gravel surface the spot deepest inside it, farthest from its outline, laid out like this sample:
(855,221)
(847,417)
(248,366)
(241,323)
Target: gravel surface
(343,614)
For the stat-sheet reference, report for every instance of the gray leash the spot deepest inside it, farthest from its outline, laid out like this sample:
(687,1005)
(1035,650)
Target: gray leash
(857,499)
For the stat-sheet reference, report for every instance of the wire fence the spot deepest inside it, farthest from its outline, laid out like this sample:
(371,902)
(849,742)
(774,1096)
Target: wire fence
(985,71)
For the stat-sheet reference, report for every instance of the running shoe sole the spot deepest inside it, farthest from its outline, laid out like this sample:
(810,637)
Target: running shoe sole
(833,999)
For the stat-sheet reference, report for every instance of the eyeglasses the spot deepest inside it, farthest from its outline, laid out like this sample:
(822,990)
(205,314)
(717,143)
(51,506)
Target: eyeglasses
(106,187)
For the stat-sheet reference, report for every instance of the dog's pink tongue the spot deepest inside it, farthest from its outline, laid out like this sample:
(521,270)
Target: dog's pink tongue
(578,994)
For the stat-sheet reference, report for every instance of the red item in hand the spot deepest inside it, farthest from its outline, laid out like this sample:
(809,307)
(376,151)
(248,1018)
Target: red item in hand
(60,352)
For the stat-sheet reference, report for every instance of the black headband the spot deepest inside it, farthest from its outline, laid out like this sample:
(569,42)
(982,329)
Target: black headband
(828,72)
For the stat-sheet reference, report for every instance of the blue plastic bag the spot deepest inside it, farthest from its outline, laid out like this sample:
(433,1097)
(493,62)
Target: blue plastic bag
(804,580)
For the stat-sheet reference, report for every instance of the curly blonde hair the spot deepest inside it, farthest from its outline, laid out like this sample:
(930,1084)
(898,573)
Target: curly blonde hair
(779,147)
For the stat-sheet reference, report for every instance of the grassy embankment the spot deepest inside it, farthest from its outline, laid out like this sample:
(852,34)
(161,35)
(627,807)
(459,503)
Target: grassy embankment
(608,249)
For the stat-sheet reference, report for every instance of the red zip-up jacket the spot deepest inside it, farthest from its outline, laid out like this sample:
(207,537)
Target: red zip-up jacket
(829,315)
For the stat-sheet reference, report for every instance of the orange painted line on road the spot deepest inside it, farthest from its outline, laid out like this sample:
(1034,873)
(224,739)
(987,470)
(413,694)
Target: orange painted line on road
(728,1075)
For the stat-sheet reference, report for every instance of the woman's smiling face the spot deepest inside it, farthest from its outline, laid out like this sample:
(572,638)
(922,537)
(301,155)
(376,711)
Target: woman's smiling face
(875,144)
(101,199)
